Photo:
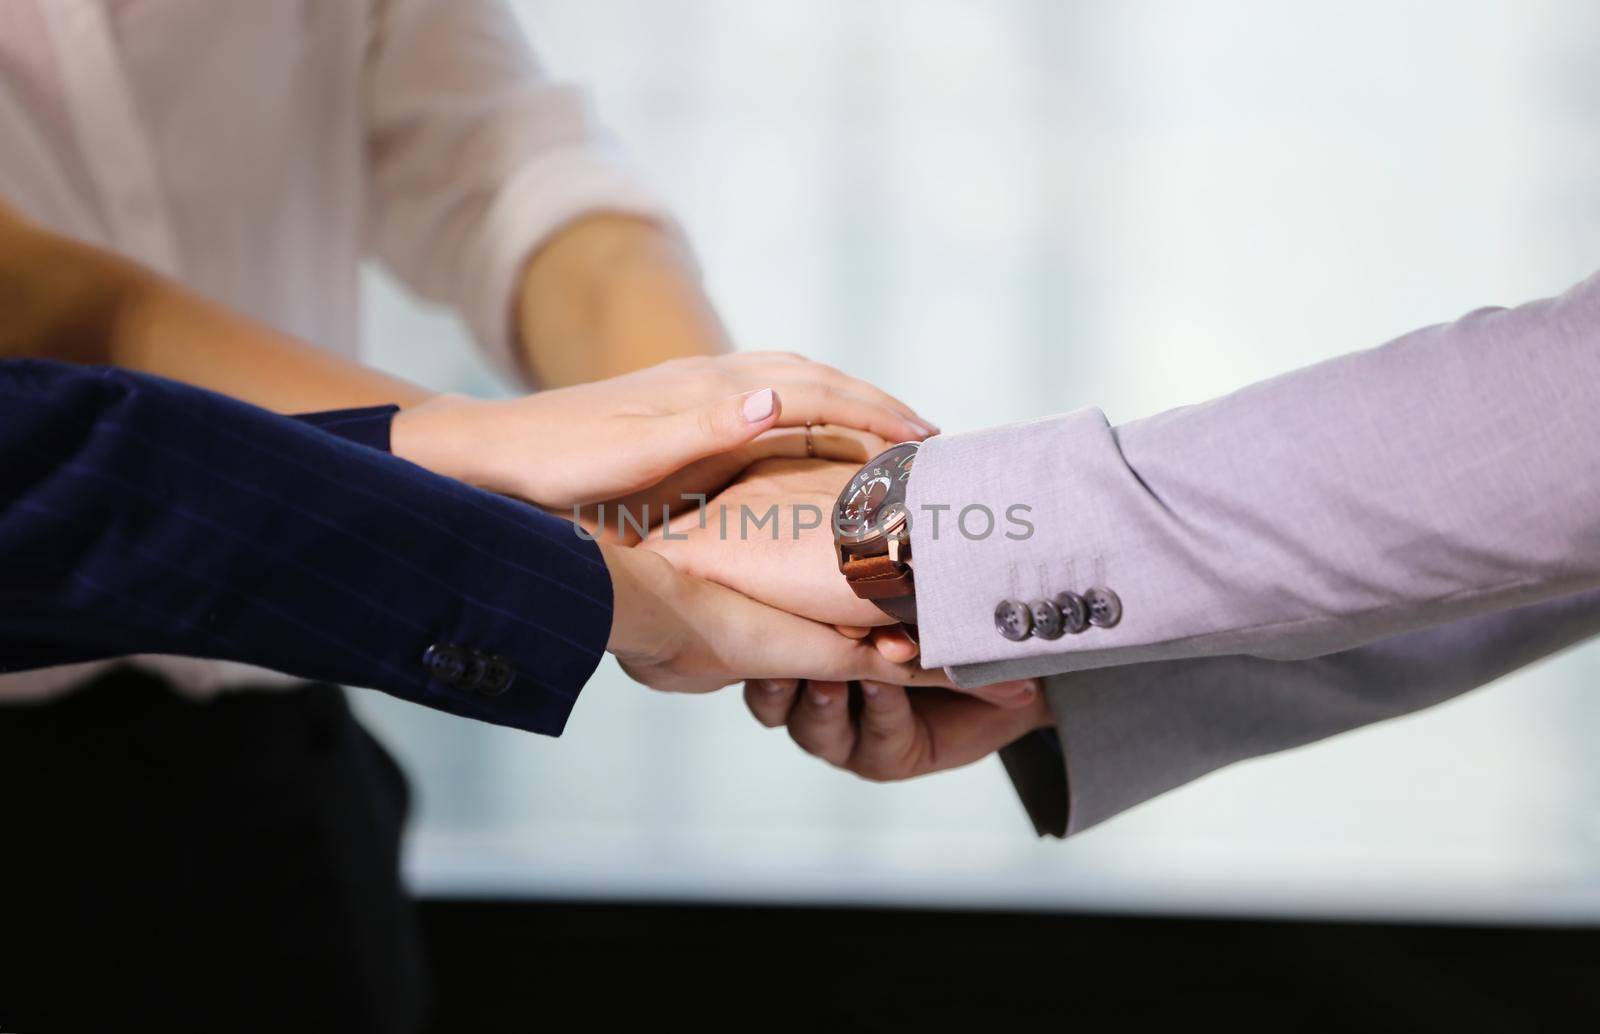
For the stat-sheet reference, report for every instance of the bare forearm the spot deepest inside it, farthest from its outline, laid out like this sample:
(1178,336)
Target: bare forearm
(610,295)
(75,303)
(163,329)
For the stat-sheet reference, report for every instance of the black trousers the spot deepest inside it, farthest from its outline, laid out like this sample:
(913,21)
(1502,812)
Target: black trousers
(226,865)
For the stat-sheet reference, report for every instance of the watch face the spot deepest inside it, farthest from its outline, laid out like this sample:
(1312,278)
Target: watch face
(874,502)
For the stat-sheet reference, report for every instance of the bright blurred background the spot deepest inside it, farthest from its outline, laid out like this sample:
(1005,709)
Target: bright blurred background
(1010,208)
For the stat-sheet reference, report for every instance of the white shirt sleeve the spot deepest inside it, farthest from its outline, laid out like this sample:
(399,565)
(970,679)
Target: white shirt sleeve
(477,158)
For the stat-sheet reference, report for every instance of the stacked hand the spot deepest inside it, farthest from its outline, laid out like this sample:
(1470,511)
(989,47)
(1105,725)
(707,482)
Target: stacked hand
(789,562)
(678,633)
(680,426)
(711,596)
(898,733)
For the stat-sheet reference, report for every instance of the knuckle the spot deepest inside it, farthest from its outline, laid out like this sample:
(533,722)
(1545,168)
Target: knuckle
(876,770)
(816,746)
(877,733)
(708,422)
(801,735)
(760,709)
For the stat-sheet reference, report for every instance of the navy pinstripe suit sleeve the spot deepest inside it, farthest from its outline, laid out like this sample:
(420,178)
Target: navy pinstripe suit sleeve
(369,426)
(138,515)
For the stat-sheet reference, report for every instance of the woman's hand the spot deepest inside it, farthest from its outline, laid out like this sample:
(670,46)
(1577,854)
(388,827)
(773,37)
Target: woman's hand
(787,561)
(615,438)
(628,519)
(677,633)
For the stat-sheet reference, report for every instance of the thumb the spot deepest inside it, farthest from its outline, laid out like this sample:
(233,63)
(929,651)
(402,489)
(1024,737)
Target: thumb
(693,434)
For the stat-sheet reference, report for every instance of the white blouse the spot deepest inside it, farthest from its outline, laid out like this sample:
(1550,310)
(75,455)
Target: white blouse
(258,152)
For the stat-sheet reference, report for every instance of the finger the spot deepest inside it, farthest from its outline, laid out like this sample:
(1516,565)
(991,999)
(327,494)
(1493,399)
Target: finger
(770,699)
(845,444)
(961,730)
(761,355)
(800,652)
(838,379)
(678,439)
(873,666)
(897,647)
(895,644)
(749,640)
(820,722)
(827,442)
(867,390)
(1019,693)
(887,744)
(853,631)
(807,402)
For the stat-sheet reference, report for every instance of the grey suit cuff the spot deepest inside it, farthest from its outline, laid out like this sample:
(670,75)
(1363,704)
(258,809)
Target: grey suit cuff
(1034,764)
(998,514)
(1131,733)
(1027,511)
(1112,748)
(1125,735)
(1122,736)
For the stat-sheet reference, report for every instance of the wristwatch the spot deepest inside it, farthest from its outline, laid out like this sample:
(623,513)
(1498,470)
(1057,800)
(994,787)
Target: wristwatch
(872,534)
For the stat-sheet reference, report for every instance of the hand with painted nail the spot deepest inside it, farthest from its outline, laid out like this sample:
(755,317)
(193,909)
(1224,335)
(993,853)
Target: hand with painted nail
(769,535)
(615,438)
(677,633)
(893,732)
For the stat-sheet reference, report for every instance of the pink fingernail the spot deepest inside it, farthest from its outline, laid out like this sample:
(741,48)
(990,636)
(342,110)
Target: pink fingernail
(758,406)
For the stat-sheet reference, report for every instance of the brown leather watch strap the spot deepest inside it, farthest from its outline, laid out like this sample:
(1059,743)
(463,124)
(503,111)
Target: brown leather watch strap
(886,583)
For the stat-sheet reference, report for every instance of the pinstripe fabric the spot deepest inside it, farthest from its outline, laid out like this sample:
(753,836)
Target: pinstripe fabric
(142,516)
(368,426)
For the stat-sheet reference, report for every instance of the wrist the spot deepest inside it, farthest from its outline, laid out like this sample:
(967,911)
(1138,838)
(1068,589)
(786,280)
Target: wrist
(646,597)
(451,435)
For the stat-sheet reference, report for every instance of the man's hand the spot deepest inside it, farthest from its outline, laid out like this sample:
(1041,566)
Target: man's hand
(770,536)
(897,733)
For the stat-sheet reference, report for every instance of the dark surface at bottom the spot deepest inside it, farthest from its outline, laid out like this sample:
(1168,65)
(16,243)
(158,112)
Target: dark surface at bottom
(220,866)
(232,867)
(497,963)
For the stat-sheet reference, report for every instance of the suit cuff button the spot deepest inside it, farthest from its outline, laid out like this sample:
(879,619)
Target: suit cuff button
(1048,622)
(1105,608)
(1012,620)
(444,664)
(477,666)
(1074,611)
(498,676)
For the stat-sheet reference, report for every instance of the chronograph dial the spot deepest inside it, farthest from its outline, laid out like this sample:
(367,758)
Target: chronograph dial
(875,498)
(871,526)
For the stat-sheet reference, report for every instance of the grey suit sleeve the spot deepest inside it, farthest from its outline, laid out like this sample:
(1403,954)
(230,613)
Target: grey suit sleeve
(1130,733)
(1450,473)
